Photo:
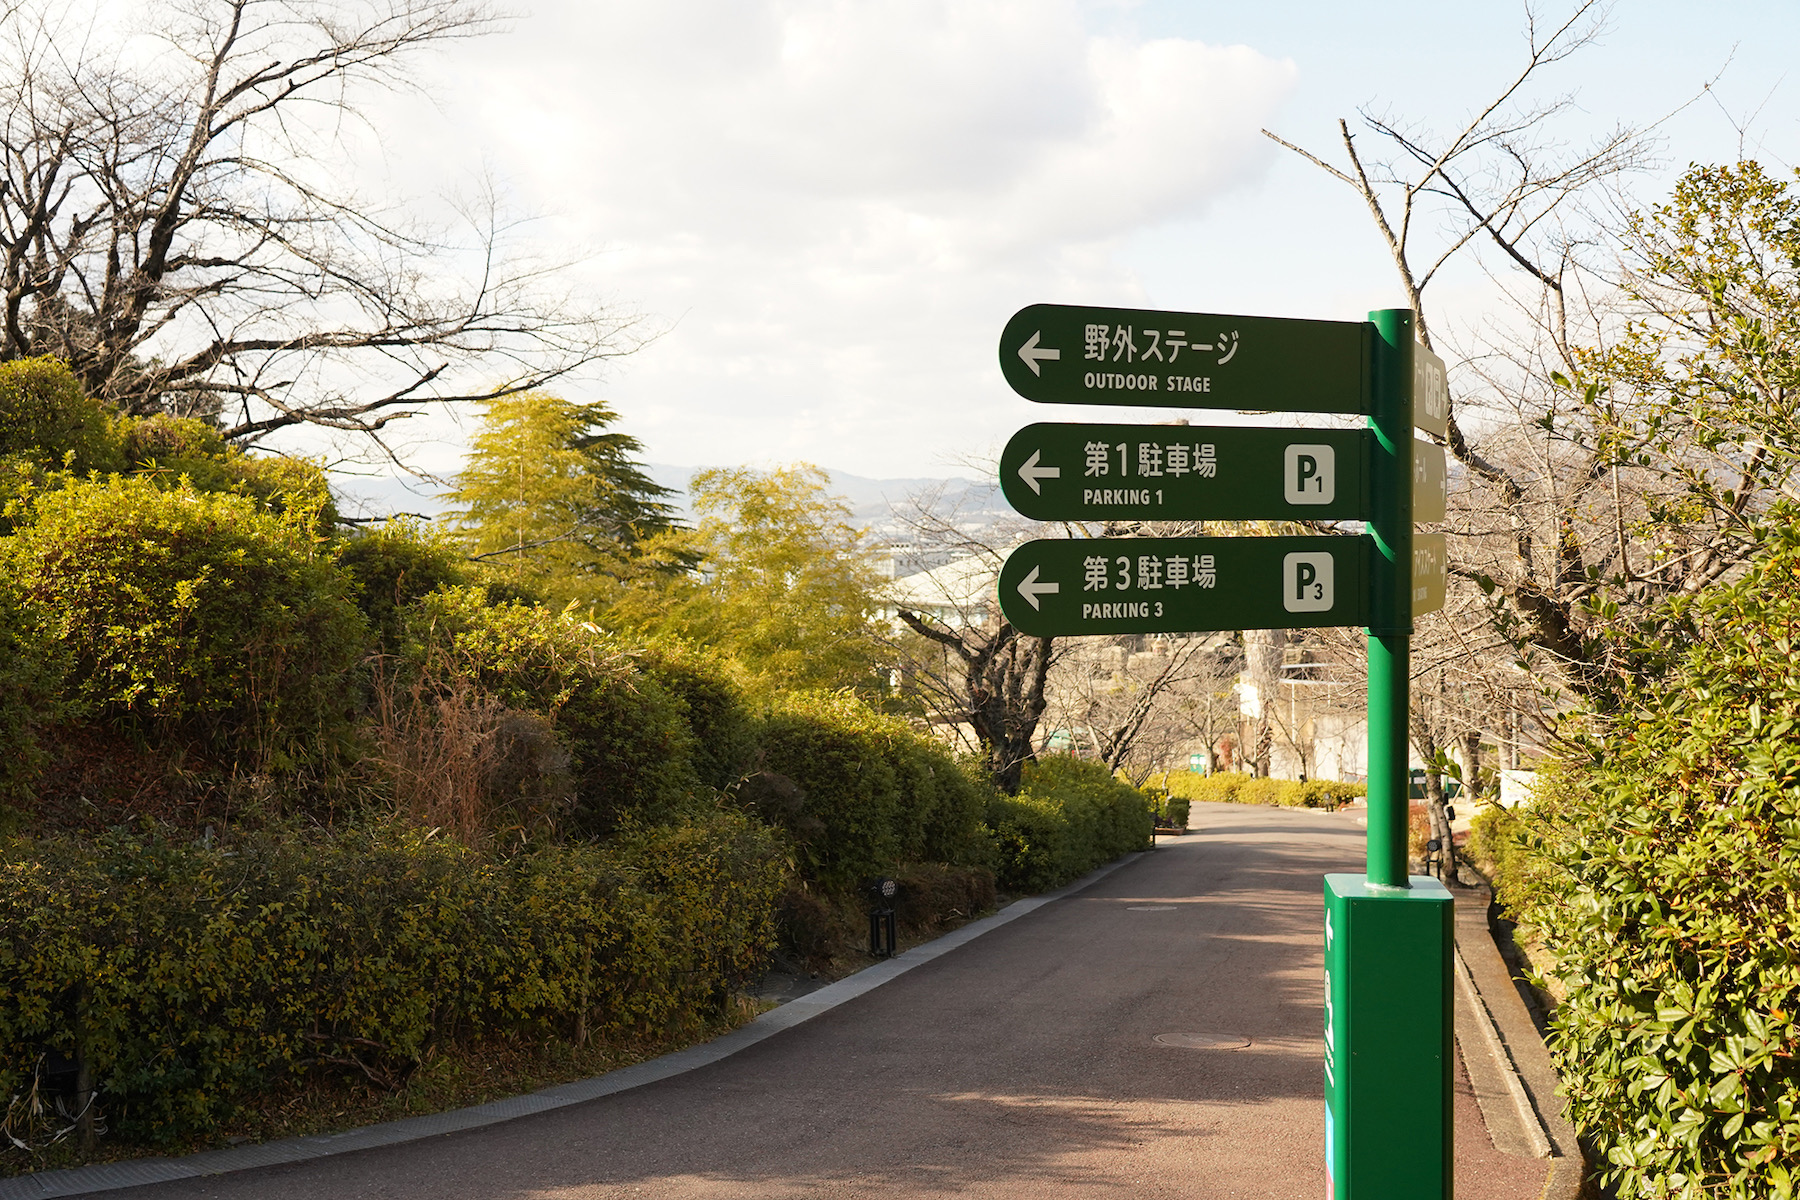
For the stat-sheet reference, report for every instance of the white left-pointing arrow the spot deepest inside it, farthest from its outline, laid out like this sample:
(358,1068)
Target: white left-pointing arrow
(1031,589)
(1033,354)
(1031,473)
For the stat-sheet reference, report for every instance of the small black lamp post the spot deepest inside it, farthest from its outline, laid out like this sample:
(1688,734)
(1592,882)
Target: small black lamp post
(882,932)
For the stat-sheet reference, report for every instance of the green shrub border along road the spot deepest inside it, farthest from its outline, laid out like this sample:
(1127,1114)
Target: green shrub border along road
(191,976)
(1249,789)
(1656,876)
(286,811)
(1069,817)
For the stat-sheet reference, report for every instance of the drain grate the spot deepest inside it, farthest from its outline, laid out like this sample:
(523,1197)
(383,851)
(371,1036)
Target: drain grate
(1202,1041)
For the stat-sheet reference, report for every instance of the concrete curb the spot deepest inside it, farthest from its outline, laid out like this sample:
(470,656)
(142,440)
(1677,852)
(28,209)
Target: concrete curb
(105,1177)
(1516,1074)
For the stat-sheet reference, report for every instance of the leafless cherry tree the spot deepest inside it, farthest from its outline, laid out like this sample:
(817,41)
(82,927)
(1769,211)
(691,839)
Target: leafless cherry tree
(176,224)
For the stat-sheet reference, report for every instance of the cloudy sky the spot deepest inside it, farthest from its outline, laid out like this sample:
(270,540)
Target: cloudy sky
(830,207)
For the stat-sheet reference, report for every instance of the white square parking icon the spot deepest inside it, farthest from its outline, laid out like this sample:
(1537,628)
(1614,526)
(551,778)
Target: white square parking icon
(1306,582)
(1309,474)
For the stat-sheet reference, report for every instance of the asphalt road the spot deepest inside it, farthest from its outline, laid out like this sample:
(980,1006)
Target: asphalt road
(1023,1064)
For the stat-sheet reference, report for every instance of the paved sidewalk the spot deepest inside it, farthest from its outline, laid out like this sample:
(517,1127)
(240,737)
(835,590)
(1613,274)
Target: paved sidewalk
(1023,1064)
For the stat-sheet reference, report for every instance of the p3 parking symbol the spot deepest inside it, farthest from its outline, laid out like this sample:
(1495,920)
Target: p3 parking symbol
(1306,582)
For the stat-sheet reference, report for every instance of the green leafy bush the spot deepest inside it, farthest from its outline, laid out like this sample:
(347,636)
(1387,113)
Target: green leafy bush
(872,792)
(190,977)
(1248,789)
(713,702)
(1659,868)
(193,616)
(1494,834)
(392,566)
(31,670)
(1176,811)
(631,747)
(1327,793)
(46,418)
(1266,791)
(1070,816)
(1033,849)
(186,451)
(1222,787)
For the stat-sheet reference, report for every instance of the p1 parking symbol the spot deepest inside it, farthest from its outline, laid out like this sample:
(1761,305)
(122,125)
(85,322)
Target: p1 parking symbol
(1309,474)
(1306,582)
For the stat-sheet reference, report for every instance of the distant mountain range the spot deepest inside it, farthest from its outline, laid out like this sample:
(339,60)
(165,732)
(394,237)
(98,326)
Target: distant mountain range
(873,501)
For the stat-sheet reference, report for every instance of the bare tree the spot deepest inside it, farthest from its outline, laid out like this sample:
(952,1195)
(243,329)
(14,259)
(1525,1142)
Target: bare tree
(973,668)
(1133,699)
(174,223)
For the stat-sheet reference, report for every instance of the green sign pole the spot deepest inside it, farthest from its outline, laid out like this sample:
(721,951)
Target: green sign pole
(1390,625)
(1388,1025)
(1388,1008)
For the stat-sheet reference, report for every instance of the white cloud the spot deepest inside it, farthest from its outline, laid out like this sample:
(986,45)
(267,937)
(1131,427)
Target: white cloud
(837,203)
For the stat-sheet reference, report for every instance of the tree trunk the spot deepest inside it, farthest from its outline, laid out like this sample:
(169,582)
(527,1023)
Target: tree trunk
(1471,767)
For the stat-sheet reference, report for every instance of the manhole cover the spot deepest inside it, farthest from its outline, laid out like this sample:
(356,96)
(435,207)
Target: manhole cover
(1151,908)
(1202,1041)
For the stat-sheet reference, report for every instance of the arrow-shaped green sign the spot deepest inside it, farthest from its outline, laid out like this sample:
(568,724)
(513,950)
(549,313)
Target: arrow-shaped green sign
(1055,472)
(1185,585)
(1071,354)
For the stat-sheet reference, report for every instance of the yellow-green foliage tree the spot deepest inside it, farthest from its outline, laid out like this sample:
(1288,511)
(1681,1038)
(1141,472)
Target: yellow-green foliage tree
(555,500)
(785,583)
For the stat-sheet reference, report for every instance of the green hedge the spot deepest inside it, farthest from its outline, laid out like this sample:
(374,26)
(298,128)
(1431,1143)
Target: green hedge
(1069,817)
(1248,789)
(191,977)
(1658,870)
(873,793)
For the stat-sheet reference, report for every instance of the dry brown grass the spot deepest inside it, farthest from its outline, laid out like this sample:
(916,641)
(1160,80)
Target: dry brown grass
(457,759)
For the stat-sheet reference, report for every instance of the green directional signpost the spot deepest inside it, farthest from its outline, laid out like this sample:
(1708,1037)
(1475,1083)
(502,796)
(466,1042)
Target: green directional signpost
(1178,473)
(1156,585)
(1387,935)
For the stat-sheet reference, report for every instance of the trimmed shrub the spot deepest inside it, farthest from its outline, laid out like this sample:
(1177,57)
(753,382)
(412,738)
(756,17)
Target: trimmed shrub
(1329,793)
(394,565)
(1175,812)
(193,616)
(631,748)
(1658,866)
(1264,791)
(1032,843)
(713,702)
(1070,816)
(190,977)
(871,793)
(1248,789)
(1222,787)
(46,418)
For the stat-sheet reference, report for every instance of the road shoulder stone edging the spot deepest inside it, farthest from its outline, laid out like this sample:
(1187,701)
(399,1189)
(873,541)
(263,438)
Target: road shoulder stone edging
(103,1177)
(1509,1066)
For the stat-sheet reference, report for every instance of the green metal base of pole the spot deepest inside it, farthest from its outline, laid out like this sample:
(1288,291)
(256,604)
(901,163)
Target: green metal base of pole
(1388,1031)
